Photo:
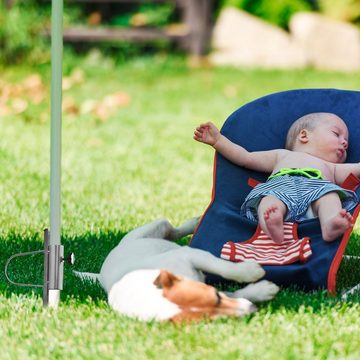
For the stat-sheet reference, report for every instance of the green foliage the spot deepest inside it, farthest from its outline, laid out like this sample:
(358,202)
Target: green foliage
(277,12)
(23,28)
(345,10)
(156,15)
(144,15)
(20,29)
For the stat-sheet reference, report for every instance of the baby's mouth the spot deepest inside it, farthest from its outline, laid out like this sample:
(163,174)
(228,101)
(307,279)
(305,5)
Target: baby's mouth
(340,153)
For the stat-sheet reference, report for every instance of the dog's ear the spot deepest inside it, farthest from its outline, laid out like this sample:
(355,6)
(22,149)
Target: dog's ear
(165,279)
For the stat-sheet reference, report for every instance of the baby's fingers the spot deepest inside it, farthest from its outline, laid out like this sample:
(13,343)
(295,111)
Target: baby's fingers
(198,135)
(202,127)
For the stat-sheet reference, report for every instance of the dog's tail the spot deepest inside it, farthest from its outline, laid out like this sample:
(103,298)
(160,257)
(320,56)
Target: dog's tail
(87,276)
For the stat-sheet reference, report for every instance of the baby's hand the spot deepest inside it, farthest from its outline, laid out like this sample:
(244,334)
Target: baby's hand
(207,133)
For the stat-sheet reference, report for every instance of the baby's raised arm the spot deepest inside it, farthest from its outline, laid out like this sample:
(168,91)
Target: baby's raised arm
(264,161)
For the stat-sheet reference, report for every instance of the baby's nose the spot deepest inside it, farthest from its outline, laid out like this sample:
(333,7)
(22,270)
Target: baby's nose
(345,144)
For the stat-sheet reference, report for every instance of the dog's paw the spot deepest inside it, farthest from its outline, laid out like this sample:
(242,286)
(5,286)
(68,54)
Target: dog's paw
(268,290)
(261,291)
(192,223)
(249,271)
(188,227)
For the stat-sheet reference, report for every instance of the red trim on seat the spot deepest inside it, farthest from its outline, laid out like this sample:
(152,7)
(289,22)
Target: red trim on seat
(295,231)
(351,182)
(255,236)
(232,252)
(302,258)
(261,248)
(339,255)
(253,182)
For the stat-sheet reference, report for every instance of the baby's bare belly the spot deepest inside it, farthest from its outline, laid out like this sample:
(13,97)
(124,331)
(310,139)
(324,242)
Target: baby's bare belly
(303,160)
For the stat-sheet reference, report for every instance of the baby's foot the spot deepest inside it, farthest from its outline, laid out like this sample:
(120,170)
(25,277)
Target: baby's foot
(274,223)
(337,225)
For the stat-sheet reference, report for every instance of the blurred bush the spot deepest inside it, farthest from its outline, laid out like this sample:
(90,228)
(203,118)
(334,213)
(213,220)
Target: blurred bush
(22,28)
(345,10)
(146,14)
(23,25)
(277,12)
(19,33)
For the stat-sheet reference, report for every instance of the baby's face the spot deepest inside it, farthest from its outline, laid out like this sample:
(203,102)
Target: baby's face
(330,139)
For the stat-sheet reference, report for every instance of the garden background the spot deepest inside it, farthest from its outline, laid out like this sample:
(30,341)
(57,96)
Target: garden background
(129,111)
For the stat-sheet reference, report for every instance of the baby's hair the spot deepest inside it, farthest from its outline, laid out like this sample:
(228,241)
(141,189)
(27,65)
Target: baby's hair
(309,122)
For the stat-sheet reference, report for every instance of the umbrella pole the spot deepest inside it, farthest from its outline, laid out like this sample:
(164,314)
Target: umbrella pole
(54,265)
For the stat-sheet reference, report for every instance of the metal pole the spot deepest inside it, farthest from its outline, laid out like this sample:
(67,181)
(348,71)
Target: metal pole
(55,146)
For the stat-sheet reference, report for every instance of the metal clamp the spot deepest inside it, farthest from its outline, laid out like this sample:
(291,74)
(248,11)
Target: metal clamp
(53,266)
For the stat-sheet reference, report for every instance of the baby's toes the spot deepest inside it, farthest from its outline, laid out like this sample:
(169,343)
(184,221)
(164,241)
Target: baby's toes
(350,218)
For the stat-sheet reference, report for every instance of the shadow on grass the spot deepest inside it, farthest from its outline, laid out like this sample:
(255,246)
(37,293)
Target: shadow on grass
(90,251)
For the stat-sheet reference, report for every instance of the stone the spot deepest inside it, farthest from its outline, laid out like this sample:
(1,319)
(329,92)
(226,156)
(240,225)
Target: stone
(241,39)
(329,44)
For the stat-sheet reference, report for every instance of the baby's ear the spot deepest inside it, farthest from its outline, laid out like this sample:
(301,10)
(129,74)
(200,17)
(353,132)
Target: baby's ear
(303,136)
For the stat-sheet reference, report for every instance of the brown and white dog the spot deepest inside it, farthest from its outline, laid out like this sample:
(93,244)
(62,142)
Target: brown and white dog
(151,278)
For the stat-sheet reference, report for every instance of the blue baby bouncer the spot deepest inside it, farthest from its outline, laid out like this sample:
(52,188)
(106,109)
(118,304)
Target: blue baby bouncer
(263,125)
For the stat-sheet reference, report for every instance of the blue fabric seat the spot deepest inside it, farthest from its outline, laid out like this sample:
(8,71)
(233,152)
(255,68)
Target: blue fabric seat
(262,125)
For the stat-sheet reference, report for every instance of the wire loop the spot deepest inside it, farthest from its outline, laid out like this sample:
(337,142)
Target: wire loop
(18,255)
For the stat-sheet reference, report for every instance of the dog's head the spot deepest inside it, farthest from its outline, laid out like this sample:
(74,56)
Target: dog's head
(160,295)
(197,300)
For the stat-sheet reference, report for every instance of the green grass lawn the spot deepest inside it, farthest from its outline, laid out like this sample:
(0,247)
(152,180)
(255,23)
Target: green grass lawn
(136,163)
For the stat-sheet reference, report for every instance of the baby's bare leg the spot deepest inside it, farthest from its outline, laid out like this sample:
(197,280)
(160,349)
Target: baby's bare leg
(271,212)
(334,220)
